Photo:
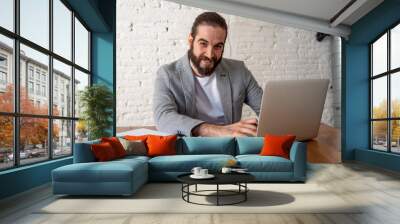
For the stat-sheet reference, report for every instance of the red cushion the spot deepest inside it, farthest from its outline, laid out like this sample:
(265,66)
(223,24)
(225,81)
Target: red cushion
(116,145)
(161,145)
(277,145)
(103,151)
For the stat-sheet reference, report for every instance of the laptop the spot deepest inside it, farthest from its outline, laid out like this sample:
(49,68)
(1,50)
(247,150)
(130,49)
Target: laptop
(292,107)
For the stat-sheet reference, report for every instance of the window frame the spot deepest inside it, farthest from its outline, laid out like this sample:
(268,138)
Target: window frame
(16,114)
(388,74)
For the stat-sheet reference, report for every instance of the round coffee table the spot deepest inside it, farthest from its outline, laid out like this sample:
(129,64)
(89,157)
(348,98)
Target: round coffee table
(238,179)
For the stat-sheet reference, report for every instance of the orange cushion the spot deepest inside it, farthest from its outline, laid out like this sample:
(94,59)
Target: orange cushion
(116,145)
(103,151)
(161,145)
(277,145)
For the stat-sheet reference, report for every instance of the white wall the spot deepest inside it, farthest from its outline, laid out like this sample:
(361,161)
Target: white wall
(151,33)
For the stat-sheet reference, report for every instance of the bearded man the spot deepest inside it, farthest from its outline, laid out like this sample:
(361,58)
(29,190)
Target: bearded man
(202,93)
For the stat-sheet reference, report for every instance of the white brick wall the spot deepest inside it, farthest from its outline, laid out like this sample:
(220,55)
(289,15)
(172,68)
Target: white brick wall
(151,33)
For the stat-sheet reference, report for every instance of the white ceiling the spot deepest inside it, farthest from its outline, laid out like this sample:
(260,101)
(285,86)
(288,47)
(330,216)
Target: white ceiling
(320,9)
(314,15)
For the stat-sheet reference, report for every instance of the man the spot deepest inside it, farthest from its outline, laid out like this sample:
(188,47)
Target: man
(202,94)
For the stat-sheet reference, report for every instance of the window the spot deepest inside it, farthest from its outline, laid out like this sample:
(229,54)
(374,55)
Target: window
(3,61)
(62,29)
(81,45)
(6,73)
(54,125)
(43,77)
(38,89)
(30,72)
(3,72)
(43,90)
(37,74)
(385,91)
(30,87)
(7,14)
(35,22)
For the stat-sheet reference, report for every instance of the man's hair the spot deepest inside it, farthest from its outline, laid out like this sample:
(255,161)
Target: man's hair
(209,18)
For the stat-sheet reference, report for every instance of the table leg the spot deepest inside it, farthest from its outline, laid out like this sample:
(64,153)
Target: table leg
(217,194)
(245,193)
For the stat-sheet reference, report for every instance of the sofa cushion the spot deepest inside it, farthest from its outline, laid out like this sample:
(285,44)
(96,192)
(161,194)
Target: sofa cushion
(134,147)
(249,145)
(277,145)
(257,163)
(116,145)
(112,171)
(161,145)
(185,163)
(206,145)
(103,151)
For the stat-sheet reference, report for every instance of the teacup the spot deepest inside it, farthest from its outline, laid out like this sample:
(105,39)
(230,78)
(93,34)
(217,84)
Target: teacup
(203,172)
(196,170)
(226,170)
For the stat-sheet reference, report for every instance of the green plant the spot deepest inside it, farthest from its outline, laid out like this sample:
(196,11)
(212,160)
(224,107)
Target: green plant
(96,102)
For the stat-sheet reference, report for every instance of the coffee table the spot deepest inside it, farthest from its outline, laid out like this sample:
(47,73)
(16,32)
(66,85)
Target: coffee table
(238,179)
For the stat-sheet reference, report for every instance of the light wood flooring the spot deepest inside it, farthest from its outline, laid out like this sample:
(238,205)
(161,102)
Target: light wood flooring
(377,188)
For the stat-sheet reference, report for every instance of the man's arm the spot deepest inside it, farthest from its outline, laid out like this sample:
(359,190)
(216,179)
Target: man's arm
(247,127)
(253,92)
(165,110)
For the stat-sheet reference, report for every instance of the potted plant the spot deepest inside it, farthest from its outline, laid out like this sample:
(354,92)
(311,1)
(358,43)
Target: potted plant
(96,103)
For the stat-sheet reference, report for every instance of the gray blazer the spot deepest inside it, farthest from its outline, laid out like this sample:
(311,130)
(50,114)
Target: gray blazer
(174,103)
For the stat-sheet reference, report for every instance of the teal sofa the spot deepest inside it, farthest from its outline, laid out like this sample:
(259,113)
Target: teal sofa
(125,176)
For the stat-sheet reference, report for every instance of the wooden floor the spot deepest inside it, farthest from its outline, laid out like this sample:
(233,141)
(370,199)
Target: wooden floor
(379,190)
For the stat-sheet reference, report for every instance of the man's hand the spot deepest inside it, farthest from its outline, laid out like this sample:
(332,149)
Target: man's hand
(247,127)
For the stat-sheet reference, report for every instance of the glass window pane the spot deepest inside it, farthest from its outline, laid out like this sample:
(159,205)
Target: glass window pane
(62,138)
(395,94)
(81,81)
(62,89)
(379,135)
(7,14)
(6,74)
(34,80)
(81,45)
(33,139)
(395,136)
(6,142)
(379,55)
(81,131)
(379,98)
(395,47)
(35,21)
(62,29)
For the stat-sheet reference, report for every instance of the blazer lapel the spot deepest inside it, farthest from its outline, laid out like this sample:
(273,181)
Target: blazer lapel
(187,80)
(225,92)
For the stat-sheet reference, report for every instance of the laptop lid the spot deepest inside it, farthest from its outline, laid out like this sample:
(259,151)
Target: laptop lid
(292,107)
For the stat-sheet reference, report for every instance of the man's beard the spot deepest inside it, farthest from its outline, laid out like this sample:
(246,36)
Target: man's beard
(207,71)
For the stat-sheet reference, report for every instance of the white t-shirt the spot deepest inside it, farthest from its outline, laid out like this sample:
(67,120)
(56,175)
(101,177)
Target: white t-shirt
(208,100)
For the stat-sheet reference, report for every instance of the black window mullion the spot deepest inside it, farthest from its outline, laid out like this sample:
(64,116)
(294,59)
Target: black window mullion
(50,87)
(73,82)
(16,84)
(389,112)
(371,137)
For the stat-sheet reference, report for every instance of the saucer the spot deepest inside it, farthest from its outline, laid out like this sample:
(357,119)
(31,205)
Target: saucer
(208,176)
